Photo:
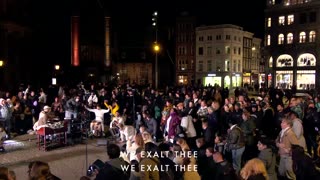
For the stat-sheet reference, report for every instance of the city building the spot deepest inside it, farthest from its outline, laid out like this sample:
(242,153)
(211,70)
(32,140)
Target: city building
(185,48)
(134,66)
(227,56)
(292,44)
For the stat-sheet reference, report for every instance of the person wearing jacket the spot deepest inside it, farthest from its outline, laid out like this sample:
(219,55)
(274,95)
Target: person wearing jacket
(268,157)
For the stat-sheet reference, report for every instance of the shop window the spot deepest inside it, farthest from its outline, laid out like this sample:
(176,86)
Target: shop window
(284,61)
(306,59)
(306,79)
(284,79)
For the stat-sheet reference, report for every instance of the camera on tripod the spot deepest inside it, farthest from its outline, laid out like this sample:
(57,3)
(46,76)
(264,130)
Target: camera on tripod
(96,166)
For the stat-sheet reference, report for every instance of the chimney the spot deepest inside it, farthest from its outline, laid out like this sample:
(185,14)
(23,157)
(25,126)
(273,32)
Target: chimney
(75,41)
(107,42)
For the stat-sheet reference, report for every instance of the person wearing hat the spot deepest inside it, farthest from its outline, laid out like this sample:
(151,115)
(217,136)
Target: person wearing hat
(43,118)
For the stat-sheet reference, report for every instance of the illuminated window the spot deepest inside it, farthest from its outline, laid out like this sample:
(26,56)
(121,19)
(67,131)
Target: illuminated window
(281,20)
(227,49)
(290,19)
(306,79)
(312,36)
(290,38)
(226,65)
(270,62)
(306,59)
(302,37)
(284,60)
(268,40)
(284,79)
(269,22)
(280,39)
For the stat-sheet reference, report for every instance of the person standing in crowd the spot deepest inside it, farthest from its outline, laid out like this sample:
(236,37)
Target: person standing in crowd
(235,144)
(151,123)
(72,108)
(6,115)
(297,128)
(303,166)
(311,126)
(268,157)
(284,142)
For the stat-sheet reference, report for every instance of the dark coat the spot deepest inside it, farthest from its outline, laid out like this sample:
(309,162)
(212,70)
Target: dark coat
(269,160)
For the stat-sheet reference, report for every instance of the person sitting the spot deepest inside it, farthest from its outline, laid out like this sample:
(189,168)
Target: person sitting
(43,119)
(97,125)
(114,125)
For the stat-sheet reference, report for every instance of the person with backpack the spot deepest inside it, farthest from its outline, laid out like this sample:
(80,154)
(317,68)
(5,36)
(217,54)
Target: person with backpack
(114,168)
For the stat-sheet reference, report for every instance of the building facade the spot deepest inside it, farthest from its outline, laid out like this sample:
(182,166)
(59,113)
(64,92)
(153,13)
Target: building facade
(185,49)
(292,44)
(226,56)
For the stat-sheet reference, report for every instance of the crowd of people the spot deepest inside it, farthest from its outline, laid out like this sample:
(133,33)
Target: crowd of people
(271,136)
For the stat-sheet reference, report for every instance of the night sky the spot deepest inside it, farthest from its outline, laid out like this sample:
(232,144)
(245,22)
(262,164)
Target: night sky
(131,19)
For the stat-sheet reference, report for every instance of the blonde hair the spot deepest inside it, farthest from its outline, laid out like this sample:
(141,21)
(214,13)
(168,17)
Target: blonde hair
(253,167)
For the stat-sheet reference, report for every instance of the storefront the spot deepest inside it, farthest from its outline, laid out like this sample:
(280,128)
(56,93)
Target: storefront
(212,79)
(306,79)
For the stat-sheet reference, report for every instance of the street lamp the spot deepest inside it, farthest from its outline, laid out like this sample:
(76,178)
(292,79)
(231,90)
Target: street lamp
(57,67)
(1,63)
(156,46)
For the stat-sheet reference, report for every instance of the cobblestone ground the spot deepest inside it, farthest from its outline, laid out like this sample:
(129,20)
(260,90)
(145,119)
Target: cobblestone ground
(68,163)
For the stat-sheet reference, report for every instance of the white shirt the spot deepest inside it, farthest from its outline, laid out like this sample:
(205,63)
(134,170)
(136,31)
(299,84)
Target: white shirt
(99,113)
(168,124)
(282,132)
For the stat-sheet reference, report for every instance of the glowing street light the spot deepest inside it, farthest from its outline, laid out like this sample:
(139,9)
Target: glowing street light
(1,63)
(57,67)
(156,48)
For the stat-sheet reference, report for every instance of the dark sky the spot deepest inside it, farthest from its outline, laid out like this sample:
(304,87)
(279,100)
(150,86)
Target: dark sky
(131,19)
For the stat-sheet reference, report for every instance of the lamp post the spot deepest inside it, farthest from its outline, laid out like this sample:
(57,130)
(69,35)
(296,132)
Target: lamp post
(56,74)
(156,47)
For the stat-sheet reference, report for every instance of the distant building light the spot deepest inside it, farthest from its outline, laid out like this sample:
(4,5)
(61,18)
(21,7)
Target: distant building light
(54,81)
(210,75)
(183,69)
(91,75)
(118,74)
